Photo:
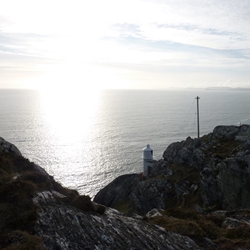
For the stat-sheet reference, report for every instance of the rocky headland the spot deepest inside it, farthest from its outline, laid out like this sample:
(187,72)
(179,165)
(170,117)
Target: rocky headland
(212,172)
(204,175)
(195,197)
(36,212)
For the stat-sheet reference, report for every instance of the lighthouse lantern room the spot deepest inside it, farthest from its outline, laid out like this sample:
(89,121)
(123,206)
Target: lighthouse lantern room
(147,160)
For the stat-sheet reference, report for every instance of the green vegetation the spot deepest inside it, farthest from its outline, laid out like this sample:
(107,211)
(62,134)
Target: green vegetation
(18,213)
(182,173)
(180,176)
(223,147)
(196,226)
(20,180)
(123,207)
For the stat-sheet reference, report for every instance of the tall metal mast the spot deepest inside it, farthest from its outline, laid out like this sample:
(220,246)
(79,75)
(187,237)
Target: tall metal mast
(198,118)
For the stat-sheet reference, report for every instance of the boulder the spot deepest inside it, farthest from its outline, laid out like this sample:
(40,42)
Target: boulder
(117,191)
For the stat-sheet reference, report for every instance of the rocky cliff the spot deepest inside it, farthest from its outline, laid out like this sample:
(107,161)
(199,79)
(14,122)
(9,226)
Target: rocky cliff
(200,188)
(36,212)
(209,173)
(196,197)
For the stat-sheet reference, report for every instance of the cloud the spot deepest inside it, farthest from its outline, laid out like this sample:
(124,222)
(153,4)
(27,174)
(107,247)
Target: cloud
(220,25)
(136,36)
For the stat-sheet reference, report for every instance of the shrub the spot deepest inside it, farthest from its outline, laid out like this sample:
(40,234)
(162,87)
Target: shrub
(100,209)
(210,229)
(40,180)
(182,213)
(241,232)
(185,227)
(6,163)
(17,190)
(83,202)
(18,240)
(227,244)
(217,220)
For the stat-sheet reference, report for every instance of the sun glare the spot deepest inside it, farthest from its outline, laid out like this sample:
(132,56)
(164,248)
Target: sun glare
(75,77)
(69,113)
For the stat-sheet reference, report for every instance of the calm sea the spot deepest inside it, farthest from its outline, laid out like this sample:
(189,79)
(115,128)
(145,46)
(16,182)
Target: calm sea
(86,139)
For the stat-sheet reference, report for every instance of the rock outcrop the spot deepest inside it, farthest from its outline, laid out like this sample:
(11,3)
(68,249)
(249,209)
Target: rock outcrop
(6,146)
(36,212)
(209,173)
(65,227)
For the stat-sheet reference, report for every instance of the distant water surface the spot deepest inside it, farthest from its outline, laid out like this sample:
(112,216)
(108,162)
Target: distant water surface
(86,139)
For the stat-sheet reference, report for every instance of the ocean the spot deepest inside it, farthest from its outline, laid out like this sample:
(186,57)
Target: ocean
(85,139)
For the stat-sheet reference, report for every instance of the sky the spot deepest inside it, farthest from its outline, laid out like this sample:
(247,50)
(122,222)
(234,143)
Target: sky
(132,44)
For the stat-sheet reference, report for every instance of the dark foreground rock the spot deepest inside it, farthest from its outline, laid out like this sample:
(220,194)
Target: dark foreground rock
(6,146)
(36,212)
(65,227)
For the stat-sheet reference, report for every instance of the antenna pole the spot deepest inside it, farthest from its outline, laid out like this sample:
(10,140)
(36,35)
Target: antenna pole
(198,118)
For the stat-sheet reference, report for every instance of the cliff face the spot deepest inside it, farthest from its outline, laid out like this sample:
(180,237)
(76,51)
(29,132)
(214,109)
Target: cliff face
(209,173)
(36,212)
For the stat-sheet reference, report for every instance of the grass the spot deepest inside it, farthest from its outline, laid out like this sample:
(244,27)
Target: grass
(227,244)
(182,219)
(123,207)
(223,148)
(20,240)
(196,226)
(184,227)
(184,173)
(20,180)
(17,211)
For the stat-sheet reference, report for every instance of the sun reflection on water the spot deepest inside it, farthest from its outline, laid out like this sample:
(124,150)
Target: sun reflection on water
(70,113)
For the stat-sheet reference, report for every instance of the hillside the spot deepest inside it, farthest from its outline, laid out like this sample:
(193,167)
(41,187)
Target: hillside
(200,188)
(36,212)
(196,197)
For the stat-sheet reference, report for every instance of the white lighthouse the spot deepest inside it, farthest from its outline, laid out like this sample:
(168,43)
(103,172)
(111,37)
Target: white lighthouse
(147,159)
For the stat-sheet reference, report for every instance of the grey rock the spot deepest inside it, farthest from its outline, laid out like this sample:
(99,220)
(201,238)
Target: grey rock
(233,183)
(185,153)
(153,213)
(199,209)
(231,223)
(225,132)
(150,194)
(66,227)
(219,213)
(222,163)
(209,244)
(117,191)
(6,146)
(210,190)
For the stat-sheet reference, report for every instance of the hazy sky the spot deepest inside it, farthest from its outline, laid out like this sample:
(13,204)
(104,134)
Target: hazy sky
(124,44)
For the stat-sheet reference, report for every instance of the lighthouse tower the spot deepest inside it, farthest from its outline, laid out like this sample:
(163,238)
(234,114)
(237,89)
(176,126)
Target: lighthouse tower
(147,159)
